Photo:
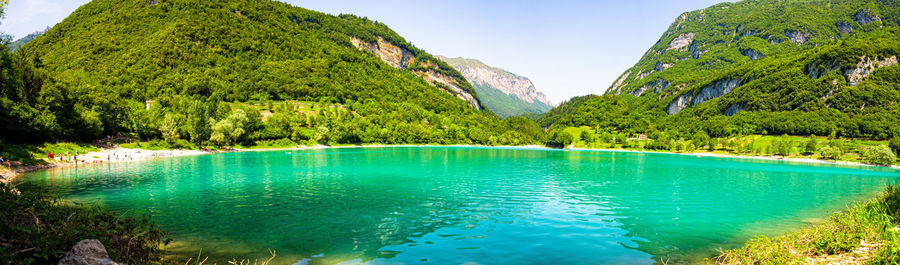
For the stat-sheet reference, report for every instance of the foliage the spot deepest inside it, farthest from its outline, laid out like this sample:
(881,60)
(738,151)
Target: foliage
(797,88)
(165,70)
(507,105)
(831,153)
(870,221)
(39,229)
(560,139)
(895,145)
(812,145)
(783,146)
(879,155)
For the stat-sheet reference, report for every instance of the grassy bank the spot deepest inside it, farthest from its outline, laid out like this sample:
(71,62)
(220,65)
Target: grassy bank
(866,233)
(794,147)
(38,228)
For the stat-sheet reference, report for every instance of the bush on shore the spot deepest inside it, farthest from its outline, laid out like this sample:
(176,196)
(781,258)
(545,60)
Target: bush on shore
(40,229)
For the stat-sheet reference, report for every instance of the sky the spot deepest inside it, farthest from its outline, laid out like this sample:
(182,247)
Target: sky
(566,47)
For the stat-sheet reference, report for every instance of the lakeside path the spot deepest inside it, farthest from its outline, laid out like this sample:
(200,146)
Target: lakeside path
(116,155)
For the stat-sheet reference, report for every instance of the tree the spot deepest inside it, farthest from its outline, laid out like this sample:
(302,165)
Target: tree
(830,153)
(560,139)
(169,129)
(811,146)
(783,145)
(895,145)
(879,155)
(321,135)
(230,129)
(197,125)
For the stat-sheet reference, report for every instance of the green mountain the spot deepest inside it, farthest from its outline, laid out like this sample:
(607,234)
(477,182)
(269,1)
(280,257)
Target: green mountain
(138,66)
(770,66)
(502,92)
(13,46)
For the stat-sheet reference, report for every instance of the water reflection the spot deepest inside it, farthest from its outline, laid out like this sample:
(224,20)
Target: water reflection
(456,205)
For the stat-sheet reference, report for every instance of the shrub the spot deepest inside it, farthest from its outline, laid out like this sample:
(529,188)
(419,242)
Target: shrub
(783,146)
(48,229)
(811,146)
(879,155)
(560,139)
(894,144)
(830,153)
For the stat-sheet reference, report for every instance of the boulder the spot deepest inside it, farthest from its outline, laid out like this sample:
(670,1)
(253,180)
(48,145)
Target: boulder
(87,252)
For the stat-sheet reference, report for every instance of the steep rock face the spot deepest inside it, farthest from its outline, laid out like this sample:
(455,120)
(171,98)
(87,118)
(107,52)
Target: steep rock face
(621,80)
(865,67)
(844,28)
(752,54)
(714,90)
(389,53)
(797,37)
(865,17)
(401,59)
(683,40)
(484,76)
(855,74)
(657,86)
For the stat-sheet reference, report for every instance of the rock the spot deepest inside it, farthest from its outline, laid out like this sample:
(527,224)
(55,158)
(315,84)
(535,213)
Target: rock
(734,109)
(844,28)
(678,104)
(797,36)
(695,53)
(657,86)
(478,73)
(682,41)
(714,90)
(663,66)
(865,67)
(621,80)
(865,17)
(752,54)
(401,59)
(87,252)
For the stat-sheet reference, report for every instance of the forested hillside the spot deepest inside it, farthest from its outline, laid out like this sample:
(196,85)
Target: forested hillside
(800,67)
(231,71)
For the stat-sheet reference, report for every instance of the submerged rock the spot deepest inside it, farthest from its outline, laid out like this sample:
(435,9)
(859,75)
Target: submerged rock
(87,252)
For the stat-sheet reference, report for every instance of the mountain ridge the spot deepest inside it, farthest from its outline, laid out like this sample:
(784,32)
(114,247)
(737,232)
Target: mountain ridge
(519,95)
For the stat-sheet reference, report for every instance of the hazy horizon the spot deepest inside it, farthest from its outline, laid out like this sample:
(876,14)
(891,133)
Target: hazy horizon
(567,48)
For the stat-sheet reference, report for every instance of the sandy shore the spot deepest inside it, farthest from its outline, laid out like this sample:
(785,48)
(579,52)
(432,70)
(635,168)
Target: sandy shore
(111,155)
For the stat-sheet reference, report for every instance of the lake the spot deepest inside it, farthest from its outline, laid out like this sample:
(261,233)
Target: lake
(455,205)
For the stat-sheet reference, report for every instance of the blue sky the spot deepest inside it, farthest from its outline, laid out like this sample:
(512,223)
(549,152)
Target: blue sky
(566,47)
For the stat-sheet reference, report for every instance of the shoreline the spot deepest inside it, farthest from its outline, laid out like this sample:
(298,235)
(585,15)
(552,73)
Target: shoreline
(118,155)
(752,157)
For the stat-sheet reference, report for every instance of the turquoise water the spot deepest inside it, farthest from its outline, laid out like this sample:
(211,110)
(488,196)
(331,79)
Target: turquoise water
(436,205)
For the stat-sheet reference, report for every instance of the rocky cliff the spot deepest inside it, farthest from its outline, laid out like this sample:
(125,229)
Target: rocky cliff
(402,59)
(517,96)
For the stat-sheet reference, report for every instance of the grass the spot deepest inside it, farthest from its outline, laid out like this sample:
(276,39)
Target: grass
(33,154)
(874,222)
(750,145)
(38,228)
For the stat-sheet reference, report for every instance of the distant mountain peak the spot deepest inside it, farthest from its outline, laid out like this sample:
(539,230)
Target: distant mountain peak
(484,76)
